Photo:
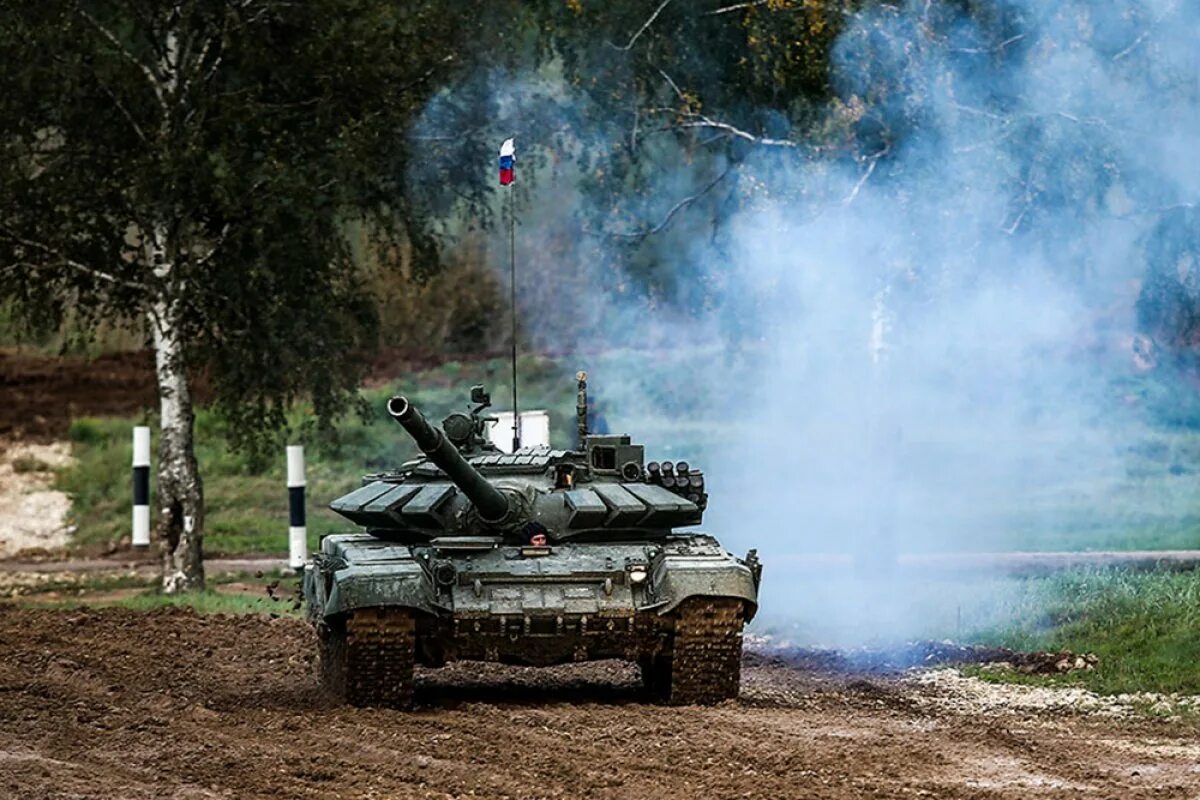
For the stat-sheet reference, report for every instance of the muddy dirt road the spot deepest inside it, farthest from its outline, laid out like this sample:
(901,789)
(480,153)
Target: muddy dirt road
(120,704)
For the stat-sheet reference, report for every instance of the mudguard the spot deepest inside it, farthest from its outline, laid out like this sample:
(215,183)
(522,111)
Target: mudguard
(359,571)
(699,567)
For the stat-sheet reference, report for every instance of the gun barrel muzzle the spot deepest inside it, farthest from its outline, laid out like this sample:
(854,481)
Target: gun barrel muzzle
(489,501)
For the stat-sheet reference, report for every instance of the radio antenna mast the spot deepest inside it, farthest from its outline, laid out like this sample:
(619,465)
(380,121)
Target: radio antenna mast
(508,159)
(512,262)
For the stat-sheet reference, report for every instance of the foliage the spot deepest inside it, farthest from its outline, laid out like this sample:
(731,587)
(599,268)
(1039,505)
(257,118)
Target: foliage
(1169,394)
(207,156)
(1168,306)
(670,118)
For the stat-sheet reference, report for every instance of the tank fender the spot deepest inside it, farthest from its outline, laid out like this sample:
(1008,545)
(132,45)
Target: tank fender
(313,600)
(399,583)
(675,578)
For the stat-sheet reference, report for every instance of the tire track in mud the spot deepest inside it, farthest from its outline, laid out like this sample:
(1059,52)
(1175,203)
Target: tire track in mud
(119,704)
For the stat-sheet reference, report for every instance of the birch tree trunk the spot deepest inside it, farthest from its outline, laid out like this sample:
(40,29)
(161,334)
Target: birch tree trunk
(180,491)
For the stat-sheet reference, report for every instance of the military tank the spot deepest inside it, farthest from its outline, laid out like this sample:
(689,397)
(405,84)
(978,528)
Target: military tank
(534,557)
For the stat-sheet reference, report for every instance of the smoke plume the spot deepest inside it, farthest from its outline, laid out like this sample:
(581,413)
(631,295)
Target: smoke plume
(921,349)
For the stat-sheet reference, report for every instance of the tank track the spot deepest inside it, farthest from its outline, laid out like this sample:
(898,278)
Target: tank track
(371,662)
(705,663)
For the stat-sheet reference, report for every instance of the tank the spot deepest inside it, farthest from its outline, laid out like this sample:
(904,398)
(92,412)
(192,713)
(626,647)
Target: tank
(536,557)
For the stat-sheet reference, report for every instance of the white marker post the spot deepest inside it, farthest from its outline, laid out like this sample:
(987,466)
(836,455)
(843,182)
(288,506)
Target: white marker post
(297,530)
(141,486)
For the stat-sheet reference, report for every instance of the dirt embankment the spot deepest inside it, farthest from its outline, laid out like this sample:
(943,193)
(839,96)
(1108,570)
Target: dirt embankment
(43,394)
(119,704)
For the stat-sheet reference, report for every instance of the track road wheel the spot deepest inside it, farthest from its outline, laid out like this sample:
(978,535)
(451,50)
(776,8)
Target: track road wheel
(706,661)
(371,664)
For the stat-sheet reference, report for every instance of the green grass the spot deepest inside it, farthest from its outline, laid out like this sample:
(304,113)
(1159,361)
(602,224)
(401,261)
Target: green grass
(246,503)
(210,601)
(1145,627)
(69,337)
(139,592)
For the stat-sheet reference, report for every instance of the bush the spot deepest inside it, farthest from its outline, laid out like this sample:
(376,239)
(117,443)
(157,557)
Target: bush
(85,430)
(25,464)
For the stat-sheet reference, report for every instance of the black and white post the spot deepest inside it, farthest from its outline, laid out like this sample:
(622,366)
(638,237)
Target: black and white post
(297,529)
(141,486)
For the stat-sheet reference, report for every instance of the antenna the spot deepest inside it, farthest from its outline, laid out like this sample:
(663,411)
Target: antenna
(512,263)
(508,158)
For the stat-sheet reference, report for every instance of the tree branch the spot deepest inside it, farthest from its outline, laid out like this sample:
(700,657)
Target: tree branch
(1141,37)
(642,29)
(424,76)
(874,161)
(997,49)
(212,251)
(674,86)
(116,101)
(69,262)
(735,7)
(703,122)
(675,209)
(149,71)
(730,130)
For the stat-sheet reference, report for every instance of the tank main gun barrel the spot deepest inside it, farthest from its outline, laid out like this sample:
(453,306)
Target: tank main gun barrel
(489,501)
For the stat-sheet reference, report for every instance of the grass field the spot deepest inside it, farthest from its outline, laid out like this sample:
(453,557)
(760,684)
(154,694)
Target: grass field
(246,503)
(1145,627)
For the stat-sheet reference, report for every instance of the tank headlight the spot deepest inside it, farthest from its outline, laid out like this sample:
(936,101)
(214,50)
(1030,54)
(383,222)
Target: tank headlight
(637,575)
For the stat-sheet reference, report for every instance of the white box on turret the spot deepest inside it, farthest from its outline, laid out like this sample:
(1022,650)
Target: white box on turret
(535,429)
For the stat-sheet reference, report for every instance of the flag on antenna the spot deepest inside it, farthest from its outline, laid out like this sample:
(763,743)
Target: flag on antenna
(507,158)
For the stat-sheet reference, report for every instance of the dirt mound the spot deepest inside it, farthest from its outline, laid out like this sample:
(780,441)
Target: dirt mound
(120,704)
(32,513)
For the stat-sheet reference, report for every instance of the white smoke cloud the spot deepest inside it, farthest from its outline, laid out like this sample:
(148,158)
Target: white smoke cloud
(914,352)
(933,383)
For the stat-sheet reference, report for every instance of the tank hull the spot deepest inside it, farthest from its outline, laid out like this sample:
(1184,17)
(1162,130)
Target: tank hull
(490,601)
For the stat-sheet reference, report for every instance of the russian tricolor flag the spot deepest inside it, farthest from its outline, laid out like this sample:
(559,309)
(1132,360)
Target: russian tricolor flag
(507,159)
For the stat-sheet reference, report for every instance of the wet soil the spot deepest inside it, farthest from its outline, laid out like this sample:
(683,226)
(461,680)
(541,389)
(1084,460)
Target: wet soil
(42,394)
(113,703)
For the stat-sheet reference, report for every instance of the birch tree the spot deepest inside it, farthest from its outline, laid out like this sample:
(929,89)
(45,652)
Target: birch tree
(190,166)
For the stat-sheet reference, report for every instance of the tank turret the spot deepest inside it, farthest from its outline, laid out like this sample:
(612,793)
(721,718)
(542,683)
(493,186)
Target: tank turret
(490,502)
